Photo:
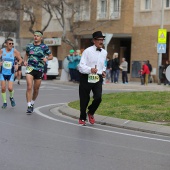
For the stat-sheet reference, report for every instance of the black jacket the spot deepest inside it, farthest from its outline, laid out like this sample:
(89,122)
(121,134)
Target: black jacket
(115,64)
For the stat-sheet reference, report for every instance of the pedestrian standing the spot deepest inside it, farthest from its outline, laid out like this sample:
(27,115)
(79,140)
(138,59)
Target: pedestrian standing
(77,60)
(34,60)
(150,70)
(145,72)
(114,66)
(71,65)
(7,70)
(108,63)
(92,70)
(164,73)
(124,66)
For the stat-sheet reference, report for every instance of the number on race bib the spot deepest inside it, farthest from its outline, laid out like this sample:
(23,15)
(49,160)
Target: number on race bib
(93,78)
(29,69)
(7,64)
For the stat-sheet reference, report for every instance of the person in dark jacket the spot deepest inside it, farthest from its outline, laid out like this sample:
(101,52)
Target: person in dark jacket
(114,67)
(164,72)
(108,63)
(150,69)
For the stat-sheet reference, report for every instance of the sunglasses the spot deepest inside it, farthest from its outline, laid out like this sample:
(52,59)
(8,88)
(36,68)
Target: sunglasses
(11,43)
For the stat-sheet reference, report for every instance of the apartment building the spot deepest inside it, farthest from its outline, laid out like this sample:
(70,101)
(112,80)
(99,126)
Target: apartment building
(147,21)
(132,24)
(113,17)
(8,21)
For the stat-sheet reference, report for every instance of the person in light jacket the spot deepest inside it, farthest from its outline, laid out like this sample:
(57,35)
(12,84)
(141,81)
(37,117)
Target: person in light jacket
(124,67)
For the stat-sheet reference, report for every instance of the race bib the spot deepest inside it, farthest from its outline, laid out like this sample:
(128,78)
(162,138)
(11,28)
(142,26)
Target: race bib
(7,64)
(29,69)
(93,78)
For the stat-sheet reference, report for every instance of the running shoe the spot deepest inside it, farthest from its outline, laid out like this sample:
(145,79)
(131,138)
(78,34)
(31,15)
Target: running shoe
(19,82)
(12,101)
(4,105)
(91,118)
(30,108)
(82,122)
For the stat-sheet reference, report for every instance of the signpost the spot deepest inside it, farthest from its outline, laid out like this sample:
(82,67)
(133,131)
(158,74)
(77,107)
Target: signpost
(161,48)
(52,41)
(162,36)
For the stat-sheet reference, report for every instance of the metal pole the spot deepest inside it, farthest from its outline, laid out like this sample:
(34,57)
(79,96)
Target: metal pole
(160,54)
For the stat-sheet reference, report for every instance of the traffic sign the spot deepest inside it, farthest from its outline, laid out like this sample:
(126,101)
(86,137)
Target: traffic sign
(161,48)
(162,34)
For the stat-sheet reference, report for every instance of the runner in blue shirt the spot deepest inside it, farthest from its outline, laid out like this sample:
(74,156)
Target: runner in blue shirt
(7,70)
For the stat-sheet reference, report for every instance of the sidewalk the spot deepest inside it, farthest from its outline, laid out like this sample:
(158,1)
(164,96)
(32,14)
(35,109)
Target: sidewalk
(149,127)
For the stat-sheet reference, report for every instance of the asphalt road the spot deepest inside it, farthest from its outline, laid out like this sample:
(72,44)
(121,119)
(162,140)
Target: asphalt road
(44,141)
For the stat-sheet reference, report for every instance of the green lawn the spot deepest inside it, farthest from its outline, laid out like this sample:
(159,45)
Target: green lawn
(137,106)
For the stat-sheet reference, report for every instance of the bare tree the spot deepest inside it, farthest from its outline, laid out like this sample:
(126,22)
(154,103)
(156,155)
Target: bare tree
(27,7)
(69,15)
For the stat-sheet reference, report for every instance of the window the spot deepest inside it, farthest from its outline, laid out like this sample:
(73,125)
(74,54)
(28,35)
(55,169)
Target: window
(146,4)
(167,3)
(102,9)
(82,11)
(85,10)
(115,9)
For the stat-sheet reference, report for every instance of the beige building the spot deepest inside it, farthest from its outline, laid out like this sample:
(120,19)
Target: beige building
(113,17)
(132,24)
(147,21)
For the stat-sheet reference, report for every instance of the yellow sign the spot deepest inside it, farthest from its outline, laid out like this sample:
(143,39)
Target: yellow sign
(162,34)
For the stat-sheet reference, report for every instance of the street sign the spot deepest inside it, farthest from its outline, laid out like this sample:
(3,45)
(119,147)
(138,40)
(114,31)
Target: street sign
(162,34)
(161,48)
(52,41)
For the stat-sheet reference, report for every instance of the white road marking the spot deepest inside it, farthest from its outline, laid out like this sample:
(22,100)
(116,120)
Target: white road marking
(36,110)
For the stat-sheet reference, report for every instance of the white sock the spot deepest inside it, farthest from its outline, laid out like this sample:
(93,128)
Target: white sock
(29,104)
(32,102)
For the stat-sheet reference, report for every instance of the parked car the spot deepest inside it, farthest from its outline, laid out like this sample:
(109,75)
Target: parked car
(52,69)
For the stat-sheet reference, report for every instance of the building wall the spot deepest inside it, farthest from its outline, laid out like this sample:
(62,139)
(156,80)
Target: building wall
(25,25)
(121,26)
(145,33)
(150,17)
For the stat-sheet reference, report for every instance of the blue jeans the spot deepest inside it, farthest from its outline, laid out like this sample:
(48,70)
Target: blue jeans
(114,76)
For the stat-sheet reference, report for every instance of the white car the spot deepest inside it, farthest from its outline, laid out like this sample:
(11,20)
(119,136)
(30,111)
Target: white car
(52,68)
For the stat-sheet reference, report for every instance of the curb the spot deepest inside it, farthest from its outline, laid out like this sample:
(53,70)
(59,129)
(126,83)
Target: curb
(120,123)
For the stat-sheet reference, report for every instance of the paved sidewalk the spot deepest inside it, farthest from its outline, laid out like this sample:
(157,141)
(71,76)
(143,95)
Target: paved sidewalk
(150,127)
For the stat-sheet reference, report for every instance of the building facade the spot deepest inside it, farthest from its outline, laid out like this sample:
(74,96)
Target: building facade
(132,24)
(147,21)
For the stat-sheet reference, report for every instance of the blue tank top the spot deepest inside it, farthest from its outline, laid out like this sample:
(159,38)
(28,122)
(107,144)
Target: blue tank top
(8,60)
